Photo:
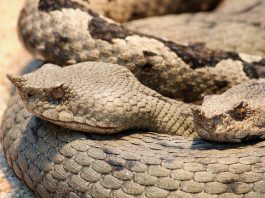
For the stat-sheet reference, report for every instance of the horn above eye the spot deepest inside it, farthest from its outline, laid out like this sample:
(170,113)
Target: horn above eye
(240,111)
(16,79)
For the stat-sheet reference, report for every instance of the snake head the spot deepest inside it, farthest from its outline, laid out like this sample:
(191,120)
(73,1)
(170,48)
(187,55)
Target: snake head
(205,125)
(79,97)
(16,80)
(41,94)
(29,92)
(236,115)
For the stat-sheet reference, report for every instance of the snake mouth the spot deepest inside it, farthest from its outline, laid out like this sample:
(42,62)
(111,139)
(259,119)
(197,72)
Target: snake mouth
(83,127)
(88,126)
(207,134)
(220,138)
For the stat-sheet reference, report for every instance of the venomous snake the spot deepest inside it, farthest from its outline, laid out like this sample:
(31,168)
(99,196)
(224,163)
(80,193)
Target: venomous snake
(57,162)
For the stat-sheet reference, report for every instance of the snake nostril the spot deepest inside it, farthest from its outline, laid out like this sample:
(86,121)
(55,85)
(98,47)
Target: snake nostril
(198,113)
(216,120)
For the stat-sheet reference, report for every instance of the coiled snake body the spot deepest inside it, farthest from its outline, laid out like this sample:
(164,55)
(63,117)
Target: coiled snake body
(58,162)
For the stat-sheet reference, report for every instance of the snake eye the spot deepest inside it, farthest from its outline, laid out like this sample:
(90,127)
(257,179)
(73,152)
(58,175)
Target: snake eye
(57,93)
(240,111)
(30,94)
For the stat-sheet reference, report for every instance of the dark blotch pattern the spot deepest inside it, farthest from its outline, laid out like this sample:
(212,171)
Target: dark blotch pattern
(149,54)
(101,29)
(51,5)
(260,67)
(250,70)
(255,69)
(248,9)
(199,56)
(196,55)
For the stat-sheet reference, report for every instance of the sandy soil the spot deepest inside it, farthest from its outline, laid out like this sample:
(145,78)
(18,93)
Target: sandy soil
(12,58)
(12,54)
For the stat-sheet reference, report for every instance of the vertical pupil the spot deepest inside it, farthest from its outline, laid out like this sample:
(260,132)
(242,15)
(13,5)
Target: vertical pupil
(241,112)
(57,93)
(30,94)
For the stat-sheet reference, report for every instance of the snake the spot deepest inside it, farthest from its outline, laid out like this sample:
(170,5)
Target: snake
(46,131)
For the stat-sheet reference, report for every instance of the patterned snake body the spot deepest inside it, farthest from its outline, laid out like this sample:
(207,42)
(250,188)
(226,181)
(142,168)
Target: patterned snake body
(103,98)
(58,162)
(64,36)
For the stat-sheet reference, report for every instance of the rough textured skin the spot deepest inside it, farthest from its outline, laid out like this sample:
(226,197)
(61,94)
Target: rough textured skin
(66,35)
(232,27)
(58,162)
(120,10)
(232,6)
(55,162)
(237,114)
(100,98)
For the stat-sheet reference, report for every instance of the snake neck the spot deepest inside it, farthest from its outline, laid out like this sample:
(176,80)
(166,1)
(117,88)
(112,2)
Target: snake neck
(174,118)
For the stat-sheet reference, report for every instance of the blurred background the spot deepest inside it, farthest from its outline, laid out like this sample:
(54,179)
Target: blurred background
(12,54)
(12,58)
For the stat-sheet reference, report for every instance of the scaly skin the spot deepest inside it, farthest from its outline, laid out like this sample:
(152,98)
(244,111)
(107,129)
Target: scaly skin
(97,99)
(237,114)
(120,10)
(57,162)
(100,98)
(64,35)
(234,27)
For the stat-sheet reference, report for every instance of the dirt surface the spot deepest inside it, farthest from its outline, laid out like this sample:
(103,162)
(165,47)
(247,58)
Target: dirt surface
(12,58)
(12,54)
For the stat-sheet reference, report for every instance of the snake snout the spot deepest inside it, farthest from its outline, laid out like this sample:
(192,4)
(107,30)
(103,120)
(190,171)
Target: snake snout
(199,118)
(198,114)
(204,125)
(16,80)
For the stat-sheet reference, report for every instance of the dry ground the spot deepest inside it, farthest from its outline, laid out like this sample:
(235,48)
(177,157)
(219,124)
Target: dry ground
(12,58)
